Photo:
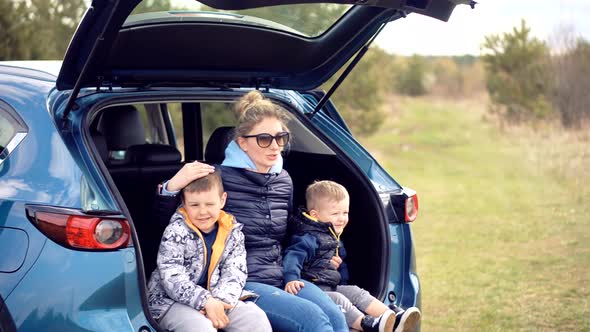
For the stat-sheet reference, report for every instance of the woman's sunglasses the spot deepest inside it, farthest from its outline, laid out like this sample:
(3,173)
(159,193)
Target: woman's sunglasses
(265,140)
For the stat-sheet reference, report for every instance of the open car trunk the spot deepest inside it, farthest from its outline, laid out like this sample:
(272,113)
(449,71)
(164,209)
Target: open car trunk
(144,144)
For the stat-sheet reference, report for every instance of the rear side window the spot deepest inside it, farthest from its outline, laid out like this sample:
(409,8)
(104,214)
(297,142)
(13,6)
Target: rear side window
(212,115)
(155,131)
(123,126)
(12,130)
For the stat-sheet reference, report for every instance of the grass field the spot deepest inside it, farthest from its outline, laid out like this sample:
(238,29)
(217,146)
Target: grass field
(503,233)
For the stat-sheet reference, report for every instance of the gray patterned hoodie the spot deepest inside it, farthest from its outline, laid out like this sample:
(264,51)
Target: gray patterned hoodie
(181,261)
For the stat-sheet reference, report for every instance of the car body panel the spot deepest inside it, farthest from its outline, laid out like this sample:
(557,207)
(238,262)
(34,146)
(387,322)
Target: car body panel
(56,288)
(14,243)
(90,291)
(12,217)
(52,160)
(404,280)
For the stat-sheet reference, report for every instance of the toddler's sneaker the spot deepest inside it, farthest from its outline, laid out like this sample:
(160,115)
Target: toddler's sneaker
(383,323)
(406,320)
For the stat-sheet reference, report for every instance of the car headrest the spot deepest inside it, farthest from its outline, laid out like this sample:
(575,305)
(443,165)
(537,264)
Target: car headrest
(122,127)
(218,141)
(101,145)
(153,154)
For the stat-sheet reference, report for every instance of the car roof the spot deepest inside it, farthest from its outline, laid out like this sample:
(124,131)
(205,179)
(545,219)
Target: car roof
(39,69)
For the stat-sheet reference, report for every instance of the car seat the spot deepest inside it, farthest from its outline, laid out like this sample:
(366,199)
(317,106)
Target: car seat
(218,141)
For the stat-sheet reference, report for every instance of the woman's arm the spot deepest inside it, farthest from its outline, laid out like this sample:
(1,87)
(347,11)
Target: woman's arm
(188,173)
(164,207)
(167,199)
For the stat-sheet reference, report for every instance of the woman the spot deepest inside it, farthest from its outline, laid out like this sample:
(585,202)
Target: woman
(260,196)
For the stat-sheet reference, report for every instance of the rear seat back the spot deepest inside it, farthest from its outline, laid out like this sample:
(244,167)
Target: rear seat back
(150,164)
(137,168)
(137,181)
(121,127)
(155,163)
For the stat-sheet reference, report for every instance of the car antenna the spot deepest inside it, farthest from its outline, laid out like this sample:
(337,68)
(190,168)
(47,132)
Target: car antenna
(345,73)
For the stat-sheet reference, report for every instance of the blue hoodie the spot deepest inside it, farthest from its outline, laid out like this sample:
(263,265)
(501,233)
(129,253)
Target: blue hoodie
(236,157)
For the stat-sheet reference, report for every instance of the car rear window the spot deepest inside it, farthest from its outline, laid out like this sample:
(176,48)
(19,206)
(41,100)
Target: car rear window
(309,20)
(12,130)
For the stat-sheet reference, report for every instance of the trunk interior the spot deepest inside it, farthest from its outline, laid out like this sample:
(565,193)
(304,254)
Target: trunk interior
(143,145)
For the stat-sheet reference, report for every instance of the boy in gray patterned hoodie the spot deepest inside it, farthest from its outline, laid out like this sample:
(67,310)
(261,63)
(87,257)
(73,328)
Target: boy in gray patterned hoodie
(201,267)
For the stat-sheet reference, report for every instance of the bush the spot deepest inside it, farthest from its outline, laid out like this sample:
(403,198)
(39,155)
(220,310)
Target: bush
(518,75)
(572,73)
(360,97)
(410,79)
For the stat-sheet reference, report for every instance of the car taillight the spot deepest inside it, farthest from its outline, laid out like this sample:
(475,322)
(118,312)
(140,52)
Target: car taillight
(400,206)
(411,208)
(77,230)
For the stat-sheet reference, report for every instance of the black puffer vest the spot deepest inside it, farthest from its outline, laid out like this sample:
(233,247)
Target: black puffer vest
(262,203)
(318,269)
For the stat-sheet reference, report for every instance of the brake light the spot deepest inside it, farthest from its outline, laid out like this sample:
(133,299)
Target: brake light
(83,231)
(411,208)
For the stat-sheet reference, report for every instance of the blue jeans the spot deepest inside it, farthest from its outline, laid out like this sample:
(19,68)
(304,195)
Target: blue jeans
(311,310)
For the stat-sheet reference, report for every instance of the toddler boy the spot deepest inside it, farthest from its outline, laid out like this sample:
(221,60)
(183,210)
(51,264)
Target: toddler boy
(315,250)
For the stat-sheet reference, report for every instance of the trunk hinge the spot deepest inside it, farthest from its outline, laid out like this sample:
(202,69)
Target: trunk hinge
(78,86)
(262,84)
(344,74)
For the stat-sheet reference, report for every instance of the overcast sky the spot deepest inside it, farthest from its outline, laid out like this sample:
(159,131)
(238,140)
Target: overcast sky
(464,32)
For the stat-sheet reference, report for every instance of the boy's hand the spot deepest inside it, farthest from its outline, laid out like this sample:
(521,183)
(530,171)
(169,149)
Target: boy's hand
(187,174)
(336,261)
(293,287)
(215,311)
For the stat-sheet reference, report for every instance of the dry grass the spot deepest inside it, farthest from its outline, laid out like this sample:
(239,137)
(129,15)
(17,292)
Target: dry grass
(503,236)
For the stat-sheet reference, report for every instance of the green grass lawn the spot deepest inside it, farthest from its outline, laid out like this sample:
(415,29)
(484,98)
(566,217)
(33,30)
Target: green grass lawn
(503,233)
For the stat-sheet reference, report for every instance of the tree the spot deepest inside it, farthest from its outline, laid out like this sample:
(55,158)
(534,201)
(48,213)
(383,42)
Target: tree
(360,97)
(571,70)
(148,6)
(42,29)
(12,30)
(309,19)
(410,79)
(518,74)
(474,79)
(448,77)
(38,29)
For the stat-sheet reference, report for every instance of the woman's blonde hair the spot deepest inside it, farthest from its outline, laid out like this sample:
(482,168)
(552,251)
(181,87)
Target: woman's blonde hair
(324,190)
(252,108)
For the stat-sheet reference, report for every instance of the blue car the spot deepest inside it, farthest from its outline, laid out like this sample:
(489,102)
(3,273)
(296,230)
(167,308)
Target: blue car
(84,143)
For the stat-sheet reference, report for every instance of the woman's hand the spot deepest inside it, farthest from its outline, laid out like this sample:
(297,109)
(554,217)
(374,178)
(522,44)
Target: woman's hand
(215,311)
(188,173)
(293,287)
(336,261)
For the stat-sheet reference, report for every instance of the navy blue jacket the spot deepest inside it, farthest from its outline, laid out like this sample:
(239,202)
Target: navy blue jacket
(262,203)
(308,256)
